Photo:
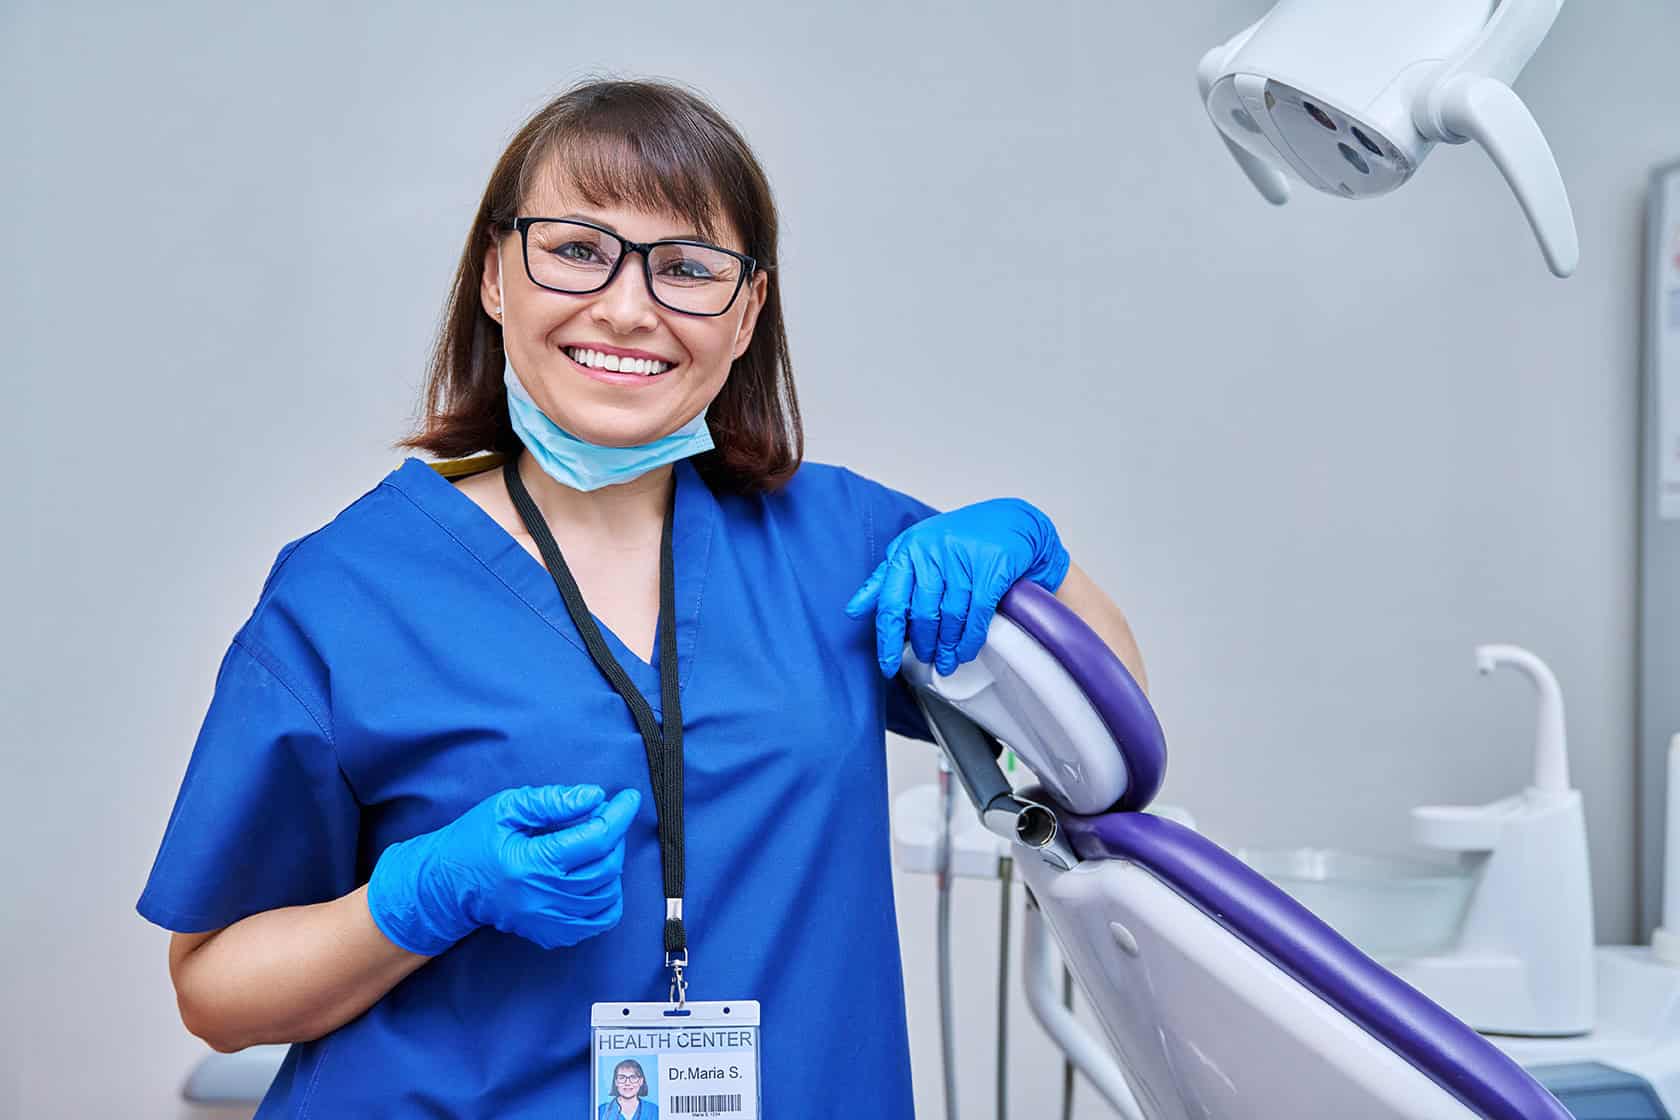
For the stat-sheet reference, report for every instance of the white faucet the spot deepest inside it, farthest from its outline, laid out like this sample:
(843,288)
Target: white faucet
(1551,757)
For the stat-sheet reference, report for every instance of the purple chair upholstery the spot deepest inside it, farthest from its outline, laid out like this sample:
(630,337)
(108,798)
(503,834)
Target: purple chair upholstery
(1248,905)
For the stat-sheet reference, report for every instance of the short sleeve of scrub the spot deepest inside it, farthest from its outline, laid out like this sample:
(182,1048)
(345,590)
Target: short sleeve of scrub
(264,817)
(887,513)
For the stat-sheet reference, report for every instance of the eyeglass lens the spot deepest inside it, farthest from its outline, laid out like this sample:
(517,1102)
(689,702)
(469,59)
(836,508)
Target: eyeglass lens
(570,257)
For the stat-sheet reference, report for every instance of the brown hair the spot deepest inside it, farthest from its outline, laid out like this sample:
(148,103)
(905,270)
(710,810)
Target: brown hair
(655,146)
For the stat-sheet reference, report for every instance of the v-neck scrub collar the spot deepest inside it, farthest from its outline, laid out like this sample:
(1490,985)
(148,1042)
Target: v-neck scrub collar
(693,524)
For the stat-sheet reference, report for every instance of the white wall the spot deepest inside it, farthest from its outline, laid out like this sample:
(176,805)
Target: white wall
(1317,453)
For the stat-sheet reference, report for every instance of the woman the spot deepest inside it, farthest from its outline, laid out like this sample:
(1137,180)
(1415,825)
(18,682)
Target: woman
(418,834)
(629,1091)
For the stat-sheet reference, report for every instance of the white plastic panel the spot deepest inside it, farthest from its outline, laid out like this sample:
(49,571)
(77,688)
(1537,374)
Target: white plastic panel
(1205,1027)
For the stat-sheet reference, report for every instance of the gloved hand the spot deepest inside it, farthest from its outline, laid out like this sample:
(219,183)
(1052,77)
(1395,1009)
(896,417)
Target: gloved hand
(949,571)
(540,861)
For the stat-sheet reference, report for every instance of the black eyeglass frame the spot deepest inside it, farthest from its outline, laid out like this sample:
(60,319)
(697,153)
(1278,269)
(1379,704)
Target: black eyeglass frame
(522,226)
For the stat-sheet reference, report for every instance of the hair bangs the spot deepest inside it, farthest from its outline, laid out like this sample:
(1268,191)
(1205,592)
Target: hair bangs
(645,168)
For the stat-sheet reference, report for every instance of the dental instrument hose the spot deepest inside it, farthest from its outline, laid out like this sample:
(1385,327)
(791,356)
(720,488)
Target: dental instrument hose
(1006,870)
(947,1040)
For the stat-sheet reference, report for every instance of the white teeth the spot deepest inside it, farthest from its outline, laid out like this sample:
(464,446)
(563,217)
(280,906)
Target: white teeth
(643,366)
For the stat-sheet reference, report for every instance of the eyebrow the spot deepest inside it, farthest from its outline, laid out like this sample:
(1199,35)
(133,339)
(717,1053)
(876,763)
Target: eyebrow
(608,226)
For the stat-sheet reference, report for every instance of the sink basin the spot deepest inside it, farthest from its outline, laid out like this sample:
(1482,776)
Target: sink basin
(1388,906)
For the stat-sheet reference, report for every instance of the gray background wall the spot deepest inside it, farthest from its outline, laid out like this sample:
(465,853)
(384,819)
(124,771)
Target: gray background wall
(1316,453)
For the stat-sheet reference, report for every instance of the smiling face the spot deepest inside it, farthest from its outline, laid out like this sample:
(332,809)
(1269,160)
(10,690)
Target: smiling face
(627,1082)
(545,333)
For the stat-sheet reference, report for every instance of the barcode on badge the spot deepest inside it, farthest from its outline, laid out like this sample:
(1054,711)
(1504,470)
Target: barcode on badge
(711,1104)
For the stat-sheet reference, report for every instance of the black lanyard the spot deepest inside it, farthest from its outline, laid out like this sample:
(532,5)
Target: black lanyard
(664,746)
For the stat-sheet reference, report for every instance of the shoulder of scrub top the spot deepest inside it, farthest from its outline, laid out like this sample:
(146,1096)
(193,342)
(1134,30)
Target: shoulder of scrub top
(885,511)
(829,502)
(316,580)
(346,521)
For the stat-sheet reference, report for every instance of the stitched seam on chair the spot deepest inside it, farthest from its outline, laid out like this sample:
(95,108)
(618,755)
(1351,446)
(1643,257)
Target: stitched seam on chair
(497,576)
(273,666)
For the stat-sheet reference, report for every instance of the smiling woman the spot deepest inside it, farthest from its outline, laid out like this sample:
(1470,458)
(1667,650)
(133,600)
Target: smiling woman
(488,731)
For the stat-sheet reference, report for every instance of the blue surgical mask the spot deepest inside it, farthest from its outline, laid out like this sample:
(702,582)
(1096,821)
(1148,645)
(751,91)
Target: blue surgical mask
(572,462)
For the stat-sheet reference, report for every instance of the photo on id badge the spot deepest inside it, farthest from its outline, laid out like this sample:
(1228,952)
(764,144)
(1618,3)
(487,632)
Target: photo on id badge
(629,1088)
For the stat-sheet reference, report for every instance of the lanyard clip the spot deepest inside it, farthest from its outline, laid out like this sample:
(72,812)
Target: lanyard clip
(678,960)
(679,984)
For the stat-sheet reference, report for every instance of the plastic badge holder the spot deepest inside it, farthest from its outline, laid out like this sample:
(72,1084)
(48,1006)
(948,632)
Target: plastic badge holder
(699,1062)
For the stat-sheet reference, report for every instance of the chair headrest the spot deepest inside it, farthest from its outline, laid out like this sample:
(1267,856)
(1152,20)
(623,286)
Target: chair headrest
(1047,687)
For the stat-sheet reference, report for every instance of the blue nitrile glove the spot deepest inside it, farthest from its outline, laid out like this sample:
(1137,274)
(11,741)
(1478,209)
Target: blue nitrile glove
(948,572)
(539,861)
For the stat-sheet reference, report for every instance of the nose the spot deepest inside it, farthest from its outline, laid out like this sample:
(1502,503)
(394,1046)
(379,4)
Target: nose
(625,305)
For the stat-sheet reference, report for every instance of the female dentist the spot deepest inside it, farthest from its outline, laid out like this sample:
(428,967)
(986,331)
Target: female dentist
(439,806)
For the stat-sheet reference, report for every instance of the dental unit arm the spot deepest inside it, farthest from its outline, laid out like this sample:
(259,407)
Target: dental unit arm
(1351,97)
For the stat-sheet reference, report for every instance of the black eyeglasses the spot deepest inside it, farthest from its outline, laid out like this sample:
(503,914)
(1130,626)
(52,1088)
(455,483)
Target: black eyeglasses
(576,257)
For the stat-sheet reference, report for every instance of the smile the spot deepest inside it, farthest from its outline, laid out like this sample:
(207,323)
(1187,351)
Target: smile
(594,359)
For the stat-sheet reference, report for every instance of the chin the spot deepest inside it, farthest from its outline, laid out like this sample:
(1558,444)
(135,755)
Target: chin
(609,429)
(617,436)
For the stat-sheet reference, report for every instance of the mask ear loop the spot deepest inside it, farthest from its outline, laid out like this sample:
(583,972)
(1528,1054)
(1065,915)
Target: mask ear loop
(499,282)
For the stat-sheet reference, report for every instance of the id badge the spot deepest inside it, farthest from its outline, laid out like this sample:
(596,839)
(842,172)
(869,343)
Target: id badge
(701,1061)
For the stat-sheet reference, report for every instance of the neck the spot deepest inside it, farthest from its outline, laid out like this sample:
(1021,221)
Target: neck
(622,510)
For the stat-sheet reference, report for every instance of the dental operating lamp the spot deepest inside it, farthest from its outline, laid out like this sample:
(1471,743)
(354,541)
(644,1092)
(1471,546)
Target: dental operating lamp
(1351,96)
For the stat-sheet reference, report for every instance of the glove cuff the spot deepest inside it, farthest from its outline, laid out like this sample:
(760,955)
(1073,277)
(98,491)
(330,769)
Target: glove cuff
(397,899)
(1052,571)
(1050,559)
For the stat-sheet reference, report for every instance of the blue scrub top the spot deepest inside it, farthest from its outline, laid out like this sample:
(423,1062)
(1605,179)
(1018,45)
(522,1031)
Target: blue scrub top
(410,658)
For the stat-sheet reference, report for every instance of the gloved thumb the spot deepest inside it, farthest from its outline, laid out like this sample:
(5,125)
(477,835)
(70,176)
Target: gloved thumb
(589,840)
(545,808)
(863,600)
(620,811)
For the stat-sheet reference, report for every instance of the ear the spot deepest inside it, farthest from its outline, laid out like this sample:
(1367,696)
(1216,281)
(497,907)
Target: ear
(490,279)
(757,288)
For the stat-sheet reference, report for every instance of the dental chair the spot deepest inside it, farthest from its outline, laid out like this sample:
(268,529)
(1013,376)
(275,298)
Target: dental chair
(1221,997)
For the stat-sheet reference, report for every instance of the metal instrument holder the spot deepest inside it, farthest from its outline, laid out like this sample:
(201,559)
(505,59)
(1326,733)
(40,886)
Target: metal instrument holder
(973,753)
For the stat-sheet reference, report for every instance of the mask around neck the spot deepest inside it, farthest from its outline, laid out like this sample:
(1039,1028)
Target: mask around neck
(573,462)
